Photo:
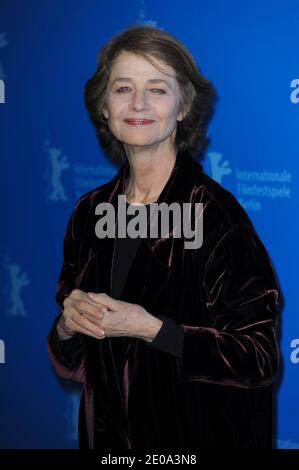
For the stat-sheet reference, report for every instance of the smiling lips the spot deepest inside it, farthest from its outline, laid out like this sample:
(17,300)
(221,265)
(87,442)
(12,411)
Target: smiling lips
(139,122)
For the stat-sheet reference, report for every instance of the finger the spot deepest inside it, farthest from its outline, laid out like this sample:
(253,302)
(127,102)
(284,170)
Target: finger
(90,301)
(80,295)
(76,294)
(81,322)
(84,307)
(80,329)
(111,303)
(96,319)
(92,313)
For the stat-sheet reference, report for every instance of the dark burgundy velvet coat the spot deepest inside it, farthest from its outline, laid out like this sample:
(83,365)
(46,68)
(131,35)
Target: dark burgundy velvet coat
(224,296)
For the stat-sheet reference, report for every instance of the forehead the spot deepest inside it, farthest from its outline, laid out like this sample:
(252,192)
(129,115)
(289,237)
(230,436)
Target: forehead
(128,64)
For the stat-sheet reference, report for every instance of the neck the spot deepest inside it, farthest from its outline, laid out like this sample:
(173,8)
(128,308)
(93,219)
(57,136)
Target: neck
(149,172)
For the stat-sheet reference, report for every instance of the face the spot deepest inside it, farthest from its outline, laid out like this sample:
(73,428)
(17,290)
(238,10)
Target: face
(143,104)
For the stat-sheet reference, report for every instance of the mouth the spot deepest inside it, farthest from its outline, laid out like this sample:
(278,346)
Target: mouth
(139,122)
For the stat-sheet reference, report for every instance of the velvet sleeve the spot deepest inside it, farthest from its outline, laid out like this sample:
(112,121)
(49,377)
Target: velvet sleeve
(67,356)
(240,296)
(169,338)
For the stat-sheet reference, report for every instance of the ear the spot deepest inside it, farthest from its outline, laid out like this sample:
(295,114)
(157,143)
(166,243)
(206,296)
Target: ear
(181,115)
(105,112)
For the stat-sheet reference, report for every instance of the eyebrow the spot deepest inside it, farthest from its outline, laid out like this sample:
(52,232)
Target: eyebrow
(151,80)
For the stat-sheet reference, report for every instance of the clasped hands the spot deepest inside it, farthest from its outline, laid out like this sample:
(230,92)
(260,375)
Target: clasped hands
(100,316)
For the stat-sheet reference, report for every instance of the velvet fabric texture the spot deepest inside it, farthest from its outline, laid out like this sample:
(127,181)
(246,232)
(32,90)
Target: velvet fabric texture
(223,295)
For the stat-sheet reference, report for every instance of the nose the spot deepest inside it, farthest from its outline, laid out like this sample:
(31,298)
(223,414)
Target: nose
(139,100)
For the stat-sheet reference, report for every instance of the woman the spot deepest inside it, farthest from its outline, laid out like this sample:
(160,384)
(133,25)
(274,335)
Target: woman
(176,347)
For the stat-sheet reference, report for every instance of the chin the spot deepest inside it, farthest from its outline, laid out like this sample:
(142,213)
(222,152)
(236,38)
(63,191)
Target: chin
(138,142)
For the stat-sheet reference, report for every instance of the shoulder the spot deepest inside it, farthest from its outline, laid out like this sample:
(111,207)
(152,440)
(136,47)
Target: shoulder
(221,209)
(225,221)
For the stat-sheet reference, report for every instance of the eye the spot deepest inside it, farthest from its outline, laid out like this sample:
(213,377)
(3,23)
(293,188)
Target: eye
(159,90)
(120,90)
